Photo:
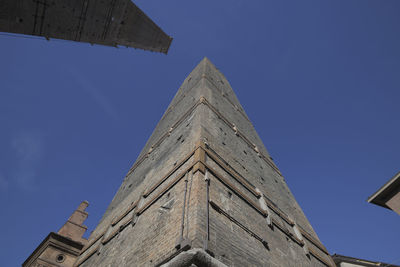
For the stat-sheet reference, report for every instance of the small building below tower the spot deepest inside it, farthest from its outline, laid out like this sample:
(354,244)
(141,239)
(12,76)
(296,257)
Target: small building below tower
(62,248)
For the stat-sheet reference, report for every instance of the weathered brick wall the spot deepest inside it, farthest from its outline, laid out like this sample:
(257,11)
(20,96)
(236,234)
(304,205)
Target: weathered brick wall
(150,240)
(246,162)
(250,219)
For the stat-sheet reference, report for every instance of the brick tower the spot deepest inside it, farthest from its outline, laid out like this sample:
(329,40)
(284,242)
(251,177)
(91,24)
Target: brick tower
(204,192)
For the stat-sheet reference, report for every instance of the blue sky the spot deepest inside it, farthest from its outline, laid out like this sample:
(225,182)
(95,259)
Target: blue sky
(319,79)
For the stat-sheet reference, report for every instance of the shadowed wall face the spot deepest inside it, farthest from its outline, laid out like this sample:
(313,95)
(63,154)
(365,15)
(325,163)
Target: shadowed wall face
(108,22)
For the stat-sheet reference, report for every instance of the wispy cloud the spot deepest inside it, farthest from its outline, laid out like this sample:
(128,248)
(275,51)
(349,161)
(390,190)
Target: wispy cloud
(95,94)
(28,148)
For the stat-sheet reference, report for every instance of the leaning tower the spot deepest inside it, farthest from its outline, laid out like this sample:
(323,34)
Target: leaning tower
(204,192)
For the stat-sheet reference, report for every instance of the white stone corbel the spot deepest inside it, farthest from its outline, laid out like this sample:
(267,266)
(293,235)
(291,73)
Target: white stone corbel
(235,129)
(170,131)
(257,150)
(264,207)
(300,237)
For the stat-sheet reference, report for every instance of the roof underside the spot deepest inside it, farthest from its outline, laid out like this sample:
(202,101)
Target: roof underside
(359,262)
(108,22)
(381,196)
